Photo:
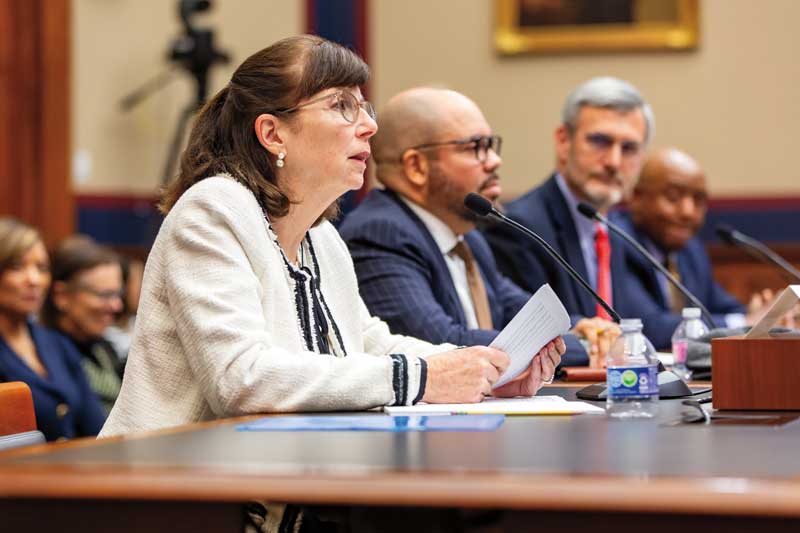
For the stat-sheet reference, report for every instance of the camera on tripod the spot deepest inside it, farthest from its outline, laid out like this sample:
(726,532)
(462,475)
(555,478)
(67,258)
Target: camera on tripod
(194,50)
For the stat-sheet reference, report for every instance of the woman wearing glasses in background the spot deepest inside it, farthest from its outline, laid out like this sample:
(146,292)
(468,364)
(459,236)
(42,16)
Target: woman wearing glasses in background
(249,302)
(83,302)
(48,363)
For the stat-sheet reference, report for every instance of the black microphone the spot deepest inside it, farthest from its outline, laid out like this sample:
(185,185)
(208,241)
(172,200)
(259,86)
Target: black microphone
(669,385)
(590,212)
(483,207)
(758,250)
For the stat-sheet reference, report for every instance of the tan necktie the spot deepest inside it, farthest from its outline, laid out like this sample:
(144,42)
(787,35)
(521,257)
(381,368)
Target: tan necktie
(676,299)
(477,290)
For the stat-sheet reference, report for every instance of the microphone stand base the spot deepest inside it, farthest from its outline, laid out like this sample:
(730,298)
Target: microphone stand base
(669,386)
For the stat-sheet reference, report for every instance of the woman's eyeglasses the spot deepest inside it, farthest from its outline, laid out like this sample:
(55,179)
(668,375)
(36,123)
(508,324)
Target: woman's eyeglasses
(481,144)
(346,103)
(105,295)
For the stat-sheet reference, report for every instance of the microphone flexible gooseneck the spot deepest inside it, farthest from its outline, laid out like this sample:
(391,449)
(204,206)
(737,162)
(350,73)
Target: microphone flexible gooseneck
(590,212)
(759,250)
(483,207)
(669,385)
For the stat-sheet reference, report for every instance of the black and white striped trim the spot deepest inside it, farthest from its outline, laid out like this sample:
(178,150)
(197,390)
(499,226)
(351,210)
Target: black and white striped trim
(291,519)
(402,379)
(318,275)
(399,378)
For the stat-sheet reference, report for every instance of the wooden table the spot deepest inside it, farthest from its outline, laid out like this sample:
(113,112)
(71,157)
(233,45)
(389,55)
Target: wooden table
(583,472)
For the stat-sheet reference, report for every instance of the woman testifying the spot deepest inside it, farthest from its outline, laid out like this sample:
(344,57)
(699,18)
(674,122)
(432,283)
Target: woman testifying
(250,302)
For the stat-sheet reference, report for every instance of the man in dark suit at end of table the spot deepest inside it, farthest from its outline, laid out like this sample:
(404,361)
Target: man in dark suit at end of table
(421,265)
(667,209)
(600,144)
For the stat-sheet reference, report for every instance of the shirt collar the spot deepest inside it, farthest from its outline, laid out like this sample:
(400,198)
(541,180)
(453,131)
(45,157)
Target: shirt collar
(442,234)
(584,225)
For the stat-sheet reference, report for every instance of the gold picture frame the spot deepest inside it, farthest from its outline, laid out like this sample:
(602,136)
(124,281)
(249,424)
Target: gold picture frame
(547,26)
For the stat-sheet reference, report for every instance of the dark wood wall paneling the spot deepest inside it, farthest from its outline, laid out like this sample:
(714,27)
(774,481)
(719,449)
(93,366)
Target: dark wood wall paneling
(35,115)
(743,276)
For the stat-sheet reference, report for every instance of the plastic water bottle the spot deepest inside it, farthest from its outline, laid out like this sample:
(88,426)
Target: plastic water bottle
(632,374)
(691,327)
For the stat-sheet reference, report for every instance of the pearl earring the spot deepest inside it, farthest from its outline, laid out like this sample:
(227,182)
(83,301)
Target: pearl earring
(279,162)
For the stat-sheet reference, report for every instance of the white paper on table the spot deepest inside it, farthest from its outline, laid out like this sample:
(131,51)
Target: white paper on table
(540,320)
(537,405)
(667,359)
(782,305)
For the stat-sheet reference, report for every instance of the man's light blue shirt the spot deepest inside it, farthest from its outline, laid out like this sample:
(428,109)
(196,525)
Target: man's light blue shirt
(586,230)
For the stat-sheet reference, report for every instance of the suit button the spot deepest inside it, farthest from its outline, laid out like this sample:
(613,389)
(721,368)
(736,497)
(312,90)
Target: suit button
(62,410)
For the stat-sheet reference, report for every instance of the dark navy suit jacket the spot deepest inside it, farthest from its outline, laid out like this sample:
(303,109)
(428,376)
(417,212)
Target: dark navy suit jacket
(80,413)
(647,300)
(403,277)
(545,211)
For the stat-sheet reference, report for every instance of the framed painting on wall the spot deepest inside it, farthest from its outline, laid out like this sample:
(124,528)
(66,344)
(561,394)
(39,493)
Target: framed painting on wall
(546,26)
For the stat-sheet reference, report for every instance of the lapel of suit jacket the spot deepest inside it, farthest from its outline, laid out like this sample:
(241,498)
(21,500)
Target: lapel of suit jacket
(690,271)
(639,265)
(617,272)
(49,356)
(568,243)
(434,254)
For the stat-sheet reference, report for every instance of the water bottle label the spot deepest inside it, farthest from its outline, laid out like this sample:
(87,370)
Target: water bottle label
(633,382)
(679,349)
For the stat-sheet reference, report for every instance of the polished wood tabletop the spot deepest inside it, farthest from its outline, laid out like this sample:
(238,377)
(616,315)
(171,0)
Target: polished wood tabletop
(584,462)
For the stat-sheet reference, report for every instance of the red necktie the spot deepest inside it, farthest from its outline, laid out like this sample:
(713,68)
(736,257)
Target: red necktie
(602,248)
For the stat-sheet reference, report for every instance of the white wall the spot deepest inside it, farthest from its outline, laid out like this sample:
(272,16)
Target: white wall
(733,103)
(119,44)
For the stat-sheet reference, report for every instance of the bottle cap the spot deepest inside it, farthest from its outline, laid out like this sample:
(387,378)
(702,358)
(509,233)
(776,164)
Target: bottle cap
(691,312)
(630,323)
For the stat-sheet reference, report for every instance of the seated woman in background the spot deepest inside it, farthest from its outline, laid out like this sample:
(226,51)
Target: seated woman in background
(249,302)
(83,302)
(64,404)
(120,333)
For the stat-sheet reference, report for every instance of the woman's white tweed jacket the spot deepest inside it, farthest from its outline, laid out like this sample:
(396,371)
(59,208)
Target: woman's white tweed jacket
(217,332)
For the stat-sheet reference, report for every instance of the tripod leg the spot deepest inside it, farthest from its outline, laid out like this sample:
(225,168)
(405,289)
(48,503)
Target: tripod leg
(177,142)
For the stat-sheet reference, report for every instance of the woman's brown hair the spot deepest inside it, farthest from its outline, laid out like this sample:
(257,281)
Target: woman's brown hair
(16,238)
(223,138)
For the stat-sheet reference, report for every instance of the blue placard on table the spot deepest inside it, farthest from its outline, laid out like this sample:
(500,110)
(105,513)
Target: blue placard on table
(397,424)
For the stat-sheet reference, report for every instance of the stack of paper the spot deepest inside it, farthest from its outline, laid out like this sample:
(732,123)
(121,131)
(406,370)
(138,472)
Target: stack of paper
(538,405)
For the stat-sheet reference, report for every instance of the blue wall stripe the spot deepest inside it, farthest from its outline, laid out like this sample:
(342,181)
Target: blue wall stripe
(336,20)
(138,226)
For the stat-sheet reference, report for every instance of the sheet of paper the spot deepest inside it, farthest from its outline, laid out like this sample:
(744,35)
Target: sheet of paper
(540,320)
(666,358)
(537,405)
(782,305)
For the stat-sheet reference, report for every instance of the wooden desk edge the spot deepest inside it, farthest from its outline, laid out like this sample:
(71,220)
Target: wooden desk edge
(710,496)
(84,442)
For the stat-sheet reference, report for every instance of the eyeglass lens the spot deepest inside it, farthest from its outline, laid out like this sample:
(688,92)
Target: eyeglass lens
(349,106)
(484,144)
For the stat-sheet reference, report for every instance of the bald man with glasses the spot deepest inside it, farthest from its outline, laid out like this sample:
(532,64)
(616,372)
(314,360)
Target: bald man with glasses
(421,265)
